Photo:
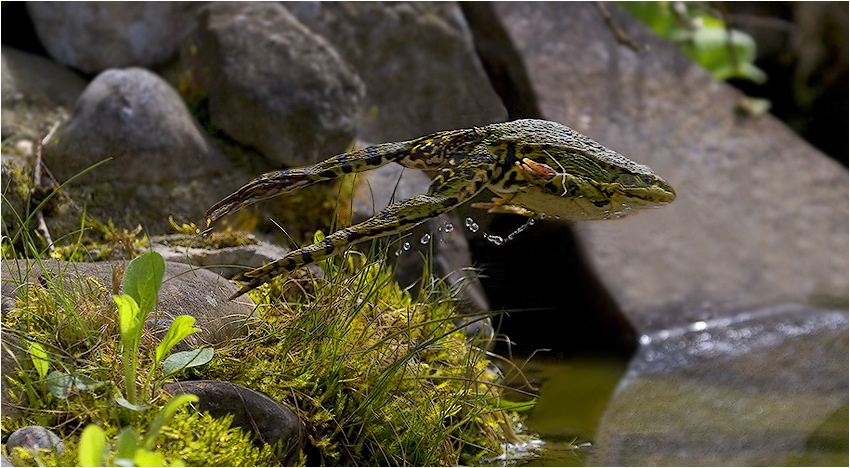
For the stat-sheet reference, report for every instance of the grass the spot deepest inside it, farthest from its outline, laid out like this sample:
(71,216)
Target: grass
(376,376)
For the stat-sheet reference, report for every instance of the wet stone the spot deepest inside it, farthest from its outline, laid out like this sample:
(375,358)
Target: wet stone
(754,388)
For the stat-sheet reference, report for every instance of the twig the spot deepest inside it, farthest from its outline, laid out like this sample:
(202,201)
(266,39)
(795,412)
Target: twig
(619,34)
(39,216)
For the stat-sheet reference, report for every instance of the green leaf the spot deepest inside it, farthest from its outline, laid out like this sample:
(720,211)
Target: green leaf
(61,384)
(142,280)
(186,359)
(92,442)
(40,359)
(130,406)
(146,458)
(126,444)
(164,415)
(128,311)
(180,328)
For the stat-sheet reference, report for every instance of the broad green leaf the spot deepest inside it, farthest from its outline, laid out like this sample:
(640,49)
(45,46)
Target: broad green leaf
(186,359)
(164,415)
(147,458)
(128,311)
(142,280)
(40,359)
(60,384)
(126,444)
(180,328)
(130,406)
(92,442)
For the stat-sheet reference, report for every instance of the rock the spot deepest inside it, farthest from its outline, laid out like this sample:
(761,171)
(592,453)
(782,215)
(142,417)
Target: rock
(225,261)
(37,93)
(35,437)
(138,120)
(185,291)
(272,83)
(95,36)
(418,62)
(161,162)
(12,354)
(443,235)
(761,216)
(745,390)
(270,421)
(5,461)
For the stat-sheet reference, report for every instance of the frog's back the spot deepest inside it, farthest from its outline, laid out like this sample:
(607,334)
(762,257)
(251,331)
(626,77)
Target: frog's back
(554,136)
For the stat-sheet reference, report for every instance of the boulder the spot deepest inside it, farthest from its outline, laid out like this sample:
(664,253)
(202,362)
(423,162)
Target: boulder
(95,36)
(417,60)
(272,84)
(158,160)
(761,216)
(35,438)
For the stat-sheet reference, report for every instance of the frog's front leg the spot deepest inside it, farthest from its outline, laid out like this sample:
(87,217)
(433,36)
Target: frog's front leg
(395,218)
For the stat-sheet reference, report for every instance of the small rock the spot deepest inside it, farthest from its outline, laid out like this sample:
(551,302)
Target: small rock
(417,59)
(270,421)
(185,291)
(35,437)
(272,83)
(94,36)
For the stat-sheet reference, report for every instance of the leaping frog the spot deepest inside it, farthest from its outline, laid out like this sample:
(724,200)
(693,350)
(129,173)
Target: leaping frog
(534,167)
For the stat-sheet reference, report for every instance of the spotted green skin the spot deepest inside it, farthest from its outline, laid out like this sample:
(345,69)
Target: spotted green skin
(534,167)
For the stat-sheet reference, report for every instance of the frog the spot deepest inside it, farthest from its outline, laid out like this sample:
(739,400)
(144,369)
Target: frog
(535,168)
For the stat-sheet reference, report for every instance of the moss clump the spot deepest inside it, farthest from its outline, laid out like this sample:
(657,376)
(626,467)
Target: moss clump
(377,377)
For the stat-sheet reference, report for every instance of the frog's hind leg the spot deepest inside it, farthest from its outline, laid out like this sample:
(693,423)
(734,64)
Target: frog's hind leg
(395,218)
(279,182)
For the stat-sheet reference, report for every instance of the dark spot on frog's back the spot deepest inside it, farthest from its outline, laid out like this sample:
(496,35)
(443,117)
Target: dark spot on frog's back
(526,149)
(329,246)
(373,157)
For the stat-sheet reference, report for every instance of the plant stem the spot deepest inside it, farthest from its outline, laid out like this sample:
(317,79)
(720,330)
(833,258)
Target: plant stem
(130,364)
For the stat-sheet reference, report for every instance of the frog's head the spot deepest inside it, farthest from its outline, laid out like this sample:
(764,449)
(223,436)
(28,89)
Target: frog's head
(576,185)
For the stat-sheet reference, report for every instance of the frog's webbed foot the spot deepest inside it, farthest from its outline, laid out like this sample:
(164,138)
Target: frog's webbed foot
(502,205)
(265,186)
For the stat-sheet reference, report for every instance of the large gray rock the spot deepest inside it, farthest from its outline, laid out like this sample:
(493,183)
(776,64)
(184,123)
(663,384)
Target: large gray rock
(418,62)
(269,421)
(185,291)
(94,36)
(160,161)
(272,83)
(37,93)
(761,217)
(749,390)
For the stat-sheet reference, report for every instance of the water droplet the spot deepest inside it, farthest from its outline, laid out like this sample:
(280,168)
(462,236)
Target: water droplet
(449,227)
(398,252)
(406,246)
(425,239)
(498,240)
(471,225)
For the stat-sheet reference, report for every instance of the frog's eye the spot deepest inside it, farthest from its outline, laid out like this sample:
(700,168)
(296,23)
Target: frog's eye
(647,180)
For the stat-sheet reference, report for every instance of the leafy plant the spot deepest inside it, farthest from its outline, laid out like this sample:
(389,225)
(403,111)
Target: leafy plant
(725,52)
(142,281)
